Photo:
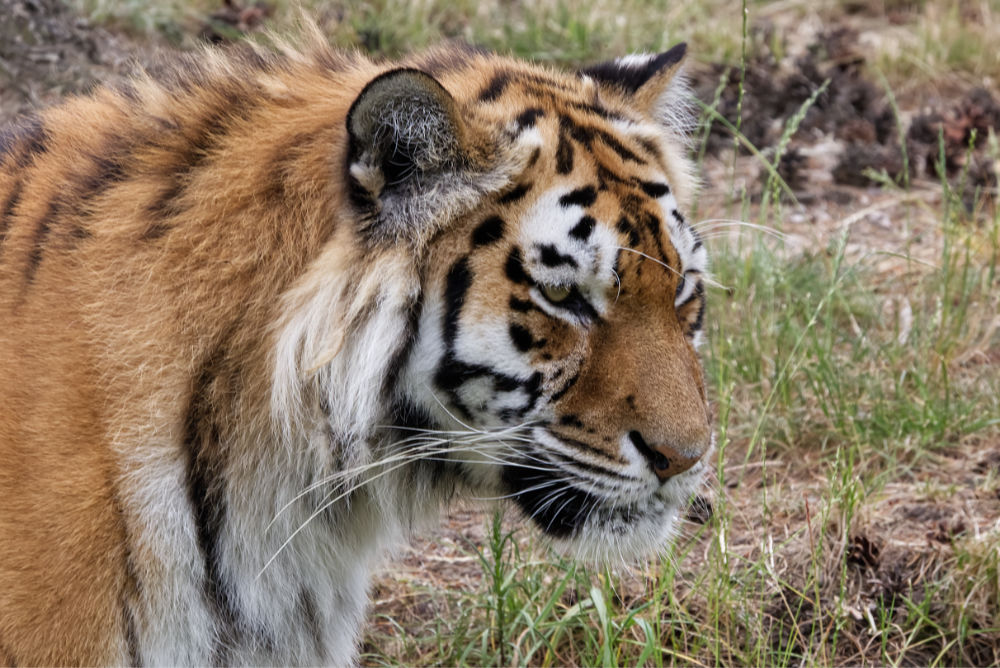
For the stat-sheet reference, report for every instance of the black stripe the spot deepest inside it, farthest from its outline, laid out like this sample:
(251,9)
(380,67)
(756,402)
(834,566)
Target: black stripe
(165,206)
(36,142)
(583,229)
(535,155)
(626,227)
(331,60)
(579,305)
(650,147)
(565,388)
(521,337)
(596,110)
(514,268)
(8,139)
(516,194)
(587,466)
(313,622)
(42,231)
(488,232)
(551,257)
(130,593)
(654,190)
(571,420)
(680,288)
(155,230)
(532,386)
(521,305)
(398,363)
(564,155)
(677,216)
(584,197)
(79,233)
(655,227)
(453,373)
(528,117)
(585,447)
(206,494)
(131,634)
(456,58)
(495,88)
(630,77)
(623,152)
(581,133)
(543,81)
(7,212)
(108,170)
(127,90)
(194,148)
(457,284)
(699,319)
(606,176)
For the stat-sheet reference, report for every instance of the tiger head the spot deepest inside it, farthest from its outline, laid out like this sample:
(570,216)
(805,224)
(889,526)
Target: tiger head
(553,336)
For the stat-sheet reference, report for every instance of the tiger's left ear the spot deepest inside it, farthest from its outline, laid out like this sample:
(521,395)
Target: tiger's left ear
(654,86)
(650,82)
(414,161)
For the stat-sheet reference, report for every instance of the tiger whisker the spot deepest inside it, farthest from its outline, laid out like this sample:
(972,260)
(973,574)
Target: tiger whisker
(712,224)
(324,506)
(425,445)
(653,259)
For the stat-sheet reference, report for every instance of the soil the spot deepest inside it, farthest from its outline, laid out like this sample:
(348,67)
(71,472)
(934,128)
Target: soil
(826,89)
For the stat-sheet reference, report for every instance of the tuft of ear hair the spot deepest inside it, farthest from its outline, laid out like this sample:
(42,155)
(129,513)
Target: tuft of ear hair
(652,82)
(408,161)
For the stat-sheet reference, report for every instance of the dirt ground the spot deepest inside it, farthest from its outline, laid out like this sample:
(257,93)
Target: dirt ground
(47,52)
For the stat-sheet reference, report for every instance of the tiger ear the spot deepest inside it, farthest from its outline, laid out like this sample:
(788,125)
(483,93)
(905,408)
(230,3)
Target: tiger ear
(407,156)
(650,82)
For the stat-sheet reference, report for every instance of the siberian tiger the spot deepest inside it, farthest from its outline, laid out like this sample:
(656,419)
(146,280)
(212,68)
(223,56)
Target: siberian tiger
(265,310)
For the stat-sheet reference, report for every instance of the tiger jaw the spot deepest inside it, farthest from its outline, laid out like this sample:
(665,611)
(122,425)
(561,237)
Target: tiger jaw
(586,510)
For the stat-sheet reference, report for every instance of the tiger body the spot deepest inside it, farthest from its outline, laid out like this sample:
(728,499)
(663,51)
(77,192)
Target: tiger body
(241,298)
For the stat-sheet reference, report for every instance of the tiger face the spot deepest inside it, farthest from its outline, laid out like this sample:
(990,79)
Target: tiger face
(559,318)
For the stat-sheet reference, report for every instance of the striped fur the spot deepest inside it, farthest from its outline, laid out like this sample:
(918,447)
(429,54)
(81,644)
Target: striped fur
(266,312)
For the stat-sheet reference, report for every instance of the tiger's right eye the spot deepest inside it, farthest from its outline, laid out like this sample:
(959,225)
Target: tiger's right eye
(555,293)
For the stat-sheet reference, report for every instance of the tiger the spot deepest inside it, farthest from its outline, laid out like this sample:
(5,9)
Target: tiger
(268,310)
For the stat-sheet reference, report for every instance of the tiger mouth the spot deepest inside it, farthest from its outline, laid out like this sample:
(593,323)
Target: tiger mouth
(565,505)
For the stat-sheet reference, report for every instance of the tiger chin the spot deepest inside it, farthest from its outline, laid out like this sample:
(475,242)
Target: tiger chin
(266,310)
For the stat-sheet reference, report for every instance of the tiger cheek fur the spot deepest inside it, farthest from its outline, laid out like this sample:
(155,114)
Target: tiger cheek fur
(265,312)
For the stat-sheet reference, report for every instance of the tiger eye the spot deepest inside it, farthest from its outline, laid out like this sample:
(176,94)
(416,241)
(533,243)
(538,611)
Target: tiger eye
(555,293)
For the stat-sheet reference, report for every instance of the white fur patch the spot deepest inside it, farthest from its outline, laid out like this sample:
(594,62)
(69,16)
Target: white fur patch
(336,339)
(547,225)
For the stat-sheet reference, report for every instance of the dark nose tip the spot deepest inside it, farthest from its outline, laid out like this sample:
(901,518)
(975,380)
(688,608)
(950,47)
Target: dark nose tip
(665,460)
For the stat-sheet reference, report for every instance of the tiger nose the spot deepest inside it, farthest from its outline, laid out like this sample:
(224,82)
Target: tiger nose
(666,461)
